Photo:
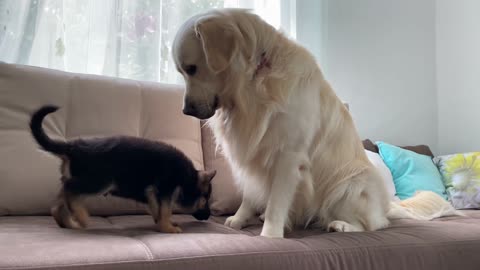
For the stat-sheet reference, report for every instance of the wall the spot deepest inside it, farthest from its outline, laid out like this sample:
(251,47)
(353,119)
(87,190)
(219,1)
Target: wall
(379,55)
(311,26)
(458,75)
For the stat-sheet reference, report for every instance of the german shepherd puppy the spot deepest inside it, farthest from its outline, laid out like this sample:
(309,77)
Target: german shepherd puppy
(149,172)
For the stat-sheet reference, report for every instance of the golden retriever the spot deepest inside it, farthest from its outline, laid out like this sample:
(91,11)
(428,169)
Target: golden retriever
(292,145)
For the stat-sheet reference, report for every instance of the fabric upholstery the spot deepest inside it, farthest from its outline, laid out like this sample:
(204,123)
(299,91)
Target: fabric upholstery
(419,149)
(90,106)
(370,146)
(129,242)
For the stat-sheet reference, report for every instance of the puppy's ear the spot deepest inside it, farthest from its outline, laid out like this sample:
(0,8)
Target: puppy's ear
(205,177)
(219,41)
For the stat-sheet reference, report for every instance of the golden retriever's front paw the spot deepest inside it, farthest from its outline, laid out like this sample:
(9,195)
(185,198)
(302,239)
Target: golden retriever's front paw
(271,231)
(342,226)
(235,223)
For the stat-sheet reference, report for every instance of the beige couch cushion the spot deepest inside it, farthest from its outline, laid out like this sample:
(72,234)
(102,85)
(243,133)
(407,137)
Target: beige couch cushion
(129,242)
(90,106)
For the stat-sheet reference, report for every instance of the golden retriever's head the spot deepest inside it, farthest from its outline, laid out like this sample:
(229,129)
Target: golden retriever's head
(203,50)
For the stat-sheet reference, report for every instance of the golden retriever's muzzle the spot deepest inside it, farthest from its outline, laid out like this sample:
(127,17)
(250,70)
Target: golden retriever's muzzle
(199,111)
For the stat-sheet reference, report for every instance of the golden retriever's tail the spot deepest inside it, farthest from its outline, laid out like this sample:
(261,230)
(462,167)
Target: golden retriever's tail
(425,205)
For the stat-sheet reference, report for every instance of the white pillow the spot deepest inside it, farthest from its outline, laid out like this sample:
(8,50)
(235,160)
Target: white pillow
(377,161)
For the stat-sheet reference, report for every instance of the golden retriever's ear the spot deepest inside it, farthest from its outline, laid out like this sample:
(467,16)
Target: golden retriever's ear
(219,40)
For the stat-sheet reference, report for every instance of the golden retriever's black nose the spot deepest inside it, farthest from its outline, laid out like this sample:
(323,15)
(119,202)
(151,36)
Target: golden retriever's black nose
(189,109)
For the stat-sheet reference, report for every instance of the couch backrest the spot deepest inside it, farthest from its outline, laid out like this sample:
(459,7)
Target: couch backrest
(90,106)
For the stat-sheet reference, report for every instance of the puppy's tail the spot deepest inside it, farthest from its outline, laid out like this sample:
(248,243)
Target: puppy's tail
(56,147)
(425,205)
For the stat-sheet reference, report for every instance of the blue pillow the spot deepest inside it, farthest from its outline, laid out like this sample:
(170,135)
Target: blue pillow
(411,171)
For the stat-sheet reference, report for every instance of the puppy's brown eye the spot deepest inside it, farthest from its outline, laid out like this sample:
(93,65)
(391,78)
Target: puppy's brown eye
(203,201)
(191,70)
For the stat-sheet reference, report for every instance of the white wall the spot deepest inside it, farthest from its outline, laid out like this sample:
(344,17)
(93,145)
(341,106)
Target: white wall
(458,75)
(311,25)
(379,55)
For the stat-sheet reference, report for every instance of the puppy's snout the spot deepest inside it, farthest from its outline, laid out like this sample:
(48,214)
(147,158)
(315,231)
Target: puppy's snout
(189,109)
(202,214)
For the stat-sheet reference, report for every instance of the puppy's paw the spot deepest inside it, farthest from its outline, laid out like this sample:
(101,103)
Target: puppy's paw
(82,220)
(63,217)
(235,223)
(72,223)
(169,228)
(342,226)
(262,217)
(174,229)
(57,211)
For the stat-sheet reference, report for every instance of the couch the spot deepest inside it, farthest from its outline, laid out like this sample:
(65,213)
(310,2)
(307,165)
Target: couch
(122,236)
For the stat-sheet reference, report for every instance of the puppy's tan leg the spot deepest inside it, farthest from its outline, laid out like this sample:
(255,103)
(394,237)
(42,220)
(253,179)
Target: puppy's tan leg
(152,206)
(62,215)
(58,213)
(64,218)
(75,205)
(62,211)
(164,224)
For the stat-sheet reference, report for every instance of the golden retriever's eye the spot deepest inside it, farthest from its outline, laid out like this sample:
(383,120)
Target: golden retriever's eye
(191,69)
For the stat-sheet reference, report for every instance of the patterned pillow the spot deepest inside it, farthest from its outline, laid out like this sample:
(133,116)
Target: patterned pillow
(461,175)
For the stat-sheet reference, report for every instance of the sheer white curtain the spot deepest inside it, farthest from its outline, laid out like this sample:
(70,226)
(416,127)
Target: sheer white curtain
(123,38)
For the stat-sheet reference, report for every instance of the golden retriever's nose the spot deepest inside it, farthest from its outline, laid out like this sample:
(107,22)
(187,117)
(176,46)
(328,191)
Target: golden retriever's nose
(189,109)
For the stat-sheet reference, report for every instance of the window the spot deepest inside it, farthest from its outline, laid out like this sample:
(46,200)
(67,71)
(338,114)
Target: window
(123,38)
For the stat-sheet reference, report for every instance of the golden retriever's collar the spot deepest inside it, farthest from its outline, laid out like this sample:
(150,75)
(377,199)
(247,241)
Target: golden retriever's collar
(262,64)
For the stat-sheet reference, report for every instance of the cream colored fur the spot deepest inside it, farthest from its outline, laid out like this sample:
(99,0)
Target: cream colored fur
(425,205)
(291,143)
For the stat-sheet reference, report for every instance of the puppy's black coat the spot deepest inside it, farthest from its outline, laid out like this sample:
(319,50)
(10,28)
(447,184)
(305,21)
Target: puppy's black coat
(150,172)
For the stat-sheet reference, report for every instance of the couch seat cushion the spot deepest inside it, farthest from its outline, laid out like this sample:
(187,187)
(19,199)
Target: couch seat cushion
(129,242)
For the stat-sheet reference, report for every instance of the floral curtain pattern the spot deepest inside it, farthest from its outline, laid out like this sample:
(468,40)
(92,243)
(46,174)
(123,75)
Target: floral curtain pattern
(121,38)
